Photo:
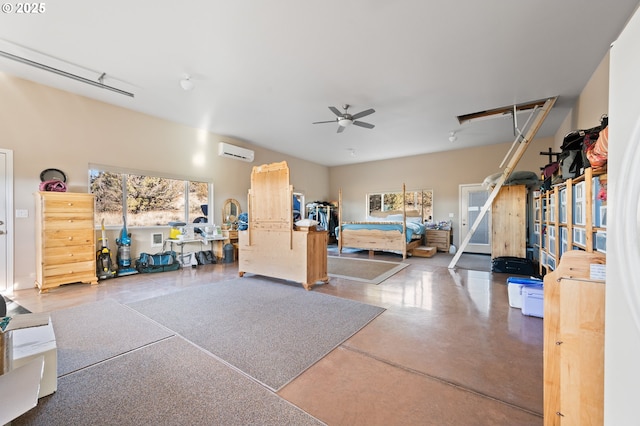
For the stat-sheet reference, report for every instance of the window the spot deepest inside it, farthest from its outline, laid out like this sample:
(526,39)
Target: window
(147,200)
(420,201)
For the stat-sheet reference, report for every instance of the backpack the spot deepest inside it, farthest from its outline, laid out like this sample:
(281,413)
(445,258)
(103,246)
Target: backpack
(573,159)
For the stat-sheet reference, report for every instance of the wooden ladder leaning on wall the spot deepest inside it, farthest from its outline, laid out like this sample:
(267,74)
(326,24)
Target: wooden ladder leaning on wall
(523,143)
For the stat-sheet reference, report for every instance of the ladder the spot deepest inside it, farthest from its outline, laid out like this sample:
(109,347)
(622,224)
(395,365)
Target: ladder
(513,162)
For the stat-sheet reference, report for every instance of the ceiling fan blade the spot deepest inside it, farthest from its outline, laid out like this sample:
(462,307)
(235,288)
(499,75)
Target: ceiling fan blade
(363,124)
(336,111)
(363,113)
(320,122)
(340,129)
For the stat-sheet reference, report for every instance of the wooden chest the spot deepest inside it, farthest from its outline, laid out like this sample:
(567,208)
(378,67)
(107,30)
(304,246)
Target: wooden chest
(65,239)
(438,238)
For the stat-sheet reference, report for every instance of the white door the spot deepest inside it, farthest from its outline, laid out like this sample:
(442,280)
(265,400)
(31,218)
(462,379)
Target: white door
(6,220)
(472,199)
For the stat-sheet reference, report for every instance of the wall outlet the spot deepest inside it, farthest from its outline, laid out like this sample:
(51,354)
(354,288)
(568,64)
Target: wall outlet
(22,213)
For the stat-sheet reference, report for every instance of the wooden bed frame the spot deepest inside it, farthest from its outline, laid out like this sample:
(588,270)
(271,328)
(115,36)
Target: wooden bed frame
(376,239)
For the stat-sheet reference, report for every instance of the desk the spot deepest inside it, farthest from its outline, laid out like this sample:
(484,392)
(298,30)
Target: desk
(216,242)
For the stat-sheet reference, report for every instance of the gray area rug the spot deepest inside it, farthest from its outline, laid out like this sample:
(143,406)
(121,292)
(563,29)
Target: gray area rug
(364,270)
(268,329)
(97,331)
(166,383)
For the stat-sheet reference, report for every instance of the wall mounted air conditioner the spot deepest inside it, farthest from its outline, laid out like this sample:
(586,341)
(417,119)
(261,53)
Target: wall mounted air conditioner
(235,152)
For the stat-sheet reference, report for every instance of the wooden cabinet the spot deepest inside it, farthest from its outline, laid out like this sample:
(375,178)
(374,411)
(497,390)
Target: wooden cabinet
(65,239)
(438,238)
(574,305)
(509,222)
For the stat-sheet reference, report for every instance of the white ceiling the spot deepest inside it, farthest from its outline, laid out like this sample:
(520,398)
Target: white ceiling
(265,70)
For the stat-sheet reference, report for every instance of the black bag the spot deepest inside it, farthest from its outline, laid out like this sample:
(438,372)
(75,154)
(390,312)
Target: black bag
(205,257)
(512,265)
(573,158)
(159,262)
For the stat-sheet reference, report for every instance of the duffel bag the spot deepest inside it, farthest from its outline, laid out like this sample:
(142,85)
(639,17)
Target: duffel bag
(159,262)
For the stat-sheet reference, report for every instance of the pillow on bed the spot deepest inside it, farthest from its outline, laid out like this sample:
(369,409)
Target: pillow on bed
(414,219)
(394,218)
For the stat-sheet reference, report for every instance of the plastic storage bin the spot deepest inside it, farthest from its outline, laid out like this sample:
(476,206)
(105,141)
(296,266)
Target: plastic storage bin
(533,301)
(515,286)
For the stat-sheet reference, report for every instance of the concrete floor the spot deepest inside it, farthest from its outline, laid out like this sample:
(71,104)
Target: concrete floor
(448,350)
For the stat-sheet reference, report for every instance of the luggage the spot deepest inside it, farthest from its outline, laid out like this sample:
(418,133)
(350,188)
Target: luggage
(512,265)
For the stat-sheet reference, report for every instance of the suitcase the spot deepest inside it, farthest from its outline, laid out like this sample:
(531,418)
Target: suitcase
(512,265)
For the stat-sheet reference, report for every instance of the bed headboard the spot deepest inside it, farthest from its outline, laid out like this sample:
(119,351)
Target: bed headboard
(382,215)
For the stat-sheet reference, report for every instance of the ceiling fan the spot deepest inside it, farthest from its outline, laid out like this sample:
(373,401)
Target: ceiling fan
(345,119)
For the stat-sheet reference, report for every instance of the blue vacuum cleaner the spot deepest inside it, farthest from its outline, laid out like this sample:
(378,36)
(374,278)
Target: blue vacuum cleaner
(124,252)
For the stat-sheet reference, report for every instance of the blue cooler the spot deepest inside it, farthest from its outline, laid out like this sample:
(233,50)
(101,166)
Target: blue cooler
(515,286)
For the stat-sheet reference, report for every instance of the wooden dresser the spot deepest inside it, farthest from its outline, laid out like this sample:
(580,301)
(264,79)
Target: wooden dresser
(438,238)
(65,239)
(271,246)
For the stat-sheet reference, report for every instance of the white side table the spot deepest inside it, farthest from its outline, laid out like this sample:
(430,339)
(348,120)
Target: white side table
(32,342)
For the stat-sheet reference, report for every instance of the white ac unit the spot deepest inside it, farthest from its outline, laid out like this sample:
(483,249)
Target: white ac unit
(235,152)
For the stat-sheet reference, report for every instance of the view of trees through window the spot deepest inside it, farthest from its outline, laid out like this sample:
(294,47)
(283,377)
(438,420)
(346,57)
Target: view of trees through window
(414,200)
(150,200)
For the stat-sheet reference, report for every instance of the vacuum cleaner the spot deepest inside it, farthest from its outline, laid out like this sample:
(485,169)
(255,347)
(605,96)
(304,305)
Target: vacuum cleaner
(124,252)
(104,264)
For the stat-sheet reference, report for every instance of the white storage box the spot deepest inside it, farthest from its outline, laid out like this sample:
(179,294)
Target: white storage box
(33,342)
(514,289)
(533,301)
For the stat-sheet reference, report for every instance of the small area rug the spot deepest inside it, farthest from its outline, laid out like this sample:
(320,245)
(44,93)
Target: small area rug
(269,329)
(364,270)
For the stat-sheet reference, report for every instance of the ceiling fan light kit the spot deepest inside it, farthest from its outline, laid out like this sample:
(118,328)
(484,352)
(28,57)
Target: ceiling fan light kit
(345,119)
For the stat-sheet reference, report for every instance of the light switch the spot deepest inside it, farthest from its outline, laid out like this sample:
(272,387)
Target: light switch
(22,213)
(451,215)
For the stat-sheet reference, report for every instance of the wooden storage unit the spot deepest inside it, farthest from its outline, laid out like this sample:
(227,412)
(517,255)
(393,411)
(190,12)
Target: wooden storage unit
(271,246)
(65,239)
(574,307)
(509,222)
(568,217)
(438,238)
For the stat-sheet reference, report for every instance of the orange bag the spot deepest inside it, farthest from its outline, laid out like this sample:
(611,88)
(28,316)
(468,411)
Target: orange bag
(597,154)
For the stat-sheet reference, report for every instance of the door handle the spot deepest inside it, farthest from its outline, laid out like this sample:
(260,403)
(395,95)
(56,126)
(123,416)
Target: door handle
(2,232)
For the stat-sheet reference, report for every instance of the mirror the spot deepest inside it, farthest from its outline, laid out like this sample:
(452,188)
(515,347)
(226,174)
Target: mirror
(230,211)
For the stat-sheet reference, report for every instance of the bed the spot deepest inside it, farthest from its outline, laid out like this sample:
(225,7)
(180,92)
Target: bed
(395,231)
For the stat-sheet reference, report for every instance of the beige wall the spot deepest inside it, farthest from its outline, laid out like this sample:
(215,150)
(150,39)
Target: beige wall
(592,103)
(49,128)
